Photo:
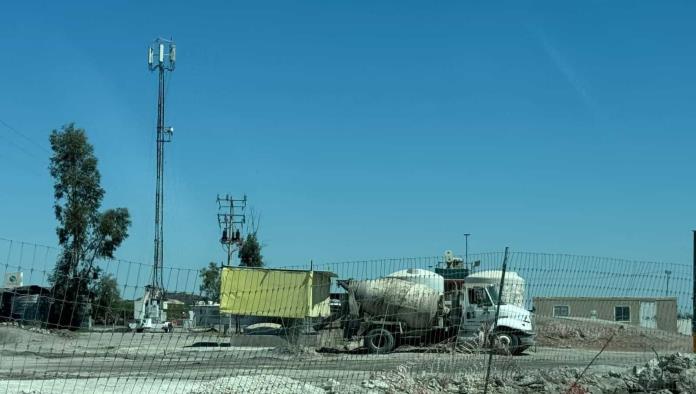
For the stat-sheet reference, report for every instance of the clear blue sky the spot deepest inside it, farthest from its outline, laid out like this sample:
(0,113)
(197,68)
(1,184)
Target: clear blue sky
(366,129)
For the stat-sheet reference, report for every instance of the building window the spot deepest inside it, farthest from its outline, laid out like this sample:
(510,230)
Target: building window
(622,313)
(561,311)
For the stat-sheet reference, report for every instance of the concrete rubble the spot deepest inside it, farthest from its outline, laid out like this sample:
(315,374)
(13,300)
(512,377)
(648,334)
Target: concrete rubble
(671,374)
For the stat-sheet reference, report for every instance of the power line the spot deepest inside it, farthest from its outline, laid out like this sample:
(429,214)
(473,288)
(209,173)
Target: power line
(20,147)
(29,153)
(31,140)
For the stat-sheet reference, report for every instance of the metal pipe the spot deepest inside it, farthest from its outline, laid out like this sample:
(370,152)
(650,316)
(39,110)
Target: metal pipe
(693,300)
(466,249)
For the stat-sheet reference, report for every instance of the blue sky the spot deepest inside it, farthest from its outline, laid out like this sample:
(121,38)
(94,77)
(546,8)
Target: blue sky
(366,129)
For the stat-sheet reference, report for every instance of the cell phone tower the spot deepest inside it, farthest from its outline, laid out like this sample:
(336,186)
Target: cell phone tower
(161,58)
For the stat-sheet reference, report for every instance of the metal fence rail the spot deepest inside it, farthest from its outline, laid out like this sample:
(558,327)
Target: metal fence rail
(631,311)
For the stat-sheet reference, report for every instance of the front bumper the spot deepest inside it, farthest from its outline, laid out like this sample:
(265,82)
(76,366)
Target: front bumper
(527,339)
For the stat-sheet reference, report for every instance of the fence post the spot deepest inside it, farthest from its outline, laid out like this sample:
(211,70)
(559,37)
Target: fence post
(495,321)
(693,299)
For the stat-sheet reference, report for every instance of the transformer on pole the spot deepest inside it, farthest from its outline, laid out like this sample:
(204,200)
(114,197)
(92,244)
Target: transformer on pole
(231,219)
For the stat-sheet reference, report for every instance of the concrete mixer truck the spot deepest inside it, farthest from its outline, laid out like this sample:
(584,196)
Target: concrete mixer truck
(388,312)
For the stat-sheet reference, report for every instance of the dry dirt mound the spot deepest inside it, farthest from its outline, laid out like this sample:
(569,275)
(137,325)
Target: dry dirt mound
(11,335)
(593,334)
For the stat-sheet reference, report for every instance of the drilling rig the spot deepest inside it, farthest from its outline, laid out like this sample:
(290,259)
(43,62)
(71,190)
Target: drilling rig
(150,312)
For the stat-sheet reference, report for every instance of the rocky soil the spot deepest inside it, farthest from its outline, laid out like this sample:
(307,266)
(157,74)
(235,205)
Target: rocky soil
(671,374)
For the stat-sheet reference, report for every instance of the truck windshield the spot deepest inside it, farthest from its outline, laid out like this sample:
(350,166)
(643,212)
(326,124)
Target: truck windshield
(493,293)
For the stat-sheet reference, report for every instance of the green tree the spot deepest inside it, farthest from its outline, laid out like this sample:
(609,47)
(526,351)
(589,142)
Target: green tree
(107,299)
(84,233)
(250,252)
(124,310)
(210,282)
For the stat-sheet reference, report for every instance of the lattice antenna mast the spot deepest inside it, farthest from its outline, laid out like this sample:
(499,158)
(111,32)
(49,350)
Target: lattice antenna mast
(231,219)
(161,57)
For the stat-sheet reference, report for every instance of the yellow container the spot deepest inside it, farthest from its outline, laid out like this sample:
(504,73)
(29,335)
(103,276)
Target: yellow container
(275,293)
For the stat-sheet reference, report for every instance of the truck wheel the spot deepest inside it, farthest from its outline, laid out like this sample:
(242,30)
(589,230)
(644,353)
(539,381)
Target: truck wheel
(380,341)
(507,342)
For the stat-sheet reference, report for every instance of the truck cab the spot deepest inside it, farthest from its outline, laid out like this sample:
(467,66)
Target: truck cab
(477,301)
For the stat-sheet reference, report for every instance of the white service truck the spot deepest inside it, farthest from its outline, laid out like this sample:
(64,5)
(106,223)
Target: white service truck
(150,312)
(388,312)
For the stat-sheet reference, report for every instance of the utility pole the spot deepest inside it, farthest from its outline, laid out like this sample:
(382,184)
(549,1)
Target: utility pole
(161,58)
(668,273)
(466,248)
(231,219)
(497,315)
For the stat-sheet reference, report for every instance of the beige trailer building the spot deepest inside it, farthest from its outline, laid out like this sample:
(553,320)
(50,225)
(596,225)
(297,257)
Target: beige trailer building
(648,312)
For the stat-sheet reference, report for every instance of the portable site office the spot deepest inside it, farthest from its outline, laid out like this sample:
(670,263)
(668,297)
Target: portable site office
(275,292)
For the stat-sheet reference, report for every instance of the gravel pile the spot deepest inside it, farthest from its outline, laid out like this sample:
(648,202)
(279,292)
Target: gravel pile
(258,384)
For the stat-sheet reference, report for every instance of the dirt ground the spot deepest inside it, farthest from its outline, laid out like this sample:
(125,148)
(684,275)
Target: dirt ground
(594,334)
(180,362)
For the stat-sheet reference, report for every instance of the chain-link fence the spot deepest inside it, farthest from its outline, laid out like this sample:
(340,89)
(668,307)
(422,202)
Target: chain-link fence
(424,324)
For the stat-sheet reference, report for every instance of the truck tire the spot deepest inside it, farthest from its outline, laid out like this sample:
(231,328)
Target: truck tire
(380,341)
(507,341)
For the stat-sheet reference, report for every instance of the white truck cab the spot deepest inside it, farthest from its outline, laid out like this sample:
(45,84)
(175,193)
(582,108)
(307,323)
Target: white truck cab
(478,299)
